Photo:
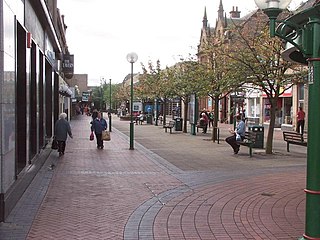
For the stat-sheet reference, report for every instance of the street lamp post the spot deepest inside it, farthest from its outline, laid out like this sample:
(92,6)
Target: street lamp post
(101,99)
(101,93)
(302,30)
(110,108)
(132,58)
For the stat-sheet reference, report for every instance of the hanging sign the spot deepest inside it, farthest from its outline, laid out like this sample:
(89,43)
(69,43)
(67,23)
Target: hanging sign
(68,65)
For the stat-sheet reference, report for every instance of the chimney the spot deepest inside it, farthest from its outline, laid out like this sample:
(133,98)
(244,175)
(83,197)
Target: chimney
(235,13)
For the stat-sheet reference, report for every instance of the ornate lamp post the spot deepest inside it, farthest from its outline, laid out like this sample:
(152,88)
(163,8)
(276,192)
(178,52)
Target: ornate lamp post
(132,58)
(302,30)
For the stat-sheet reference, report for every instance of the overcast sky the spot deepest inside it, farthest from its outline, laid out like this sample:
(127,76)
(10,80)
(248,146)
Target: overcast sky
(101,33)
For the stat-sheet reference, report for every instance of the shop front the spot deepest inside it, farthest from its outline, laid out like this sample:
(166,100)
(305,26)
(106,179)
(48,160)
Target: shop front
(284,109)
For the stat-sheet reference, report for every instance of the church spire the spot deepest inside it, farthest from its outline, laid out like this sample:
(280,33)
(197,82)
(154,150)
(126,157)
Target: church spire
(220,11)
(205,19)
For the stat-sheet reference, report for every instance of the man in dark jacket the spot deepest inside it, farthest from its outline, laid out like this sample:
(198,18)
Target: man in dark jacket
(98,125)
(61,131)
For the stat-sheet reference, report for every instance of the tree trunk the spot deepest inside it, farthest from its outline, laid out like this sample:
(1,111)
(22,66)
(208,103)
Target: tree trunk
(273,110)
(185,115)
(164,111)
(216,118)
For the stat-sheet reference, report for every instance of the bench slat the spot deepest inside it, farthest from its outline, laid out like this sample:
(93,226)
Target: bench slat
(294,138)
(248,141)
(170,125)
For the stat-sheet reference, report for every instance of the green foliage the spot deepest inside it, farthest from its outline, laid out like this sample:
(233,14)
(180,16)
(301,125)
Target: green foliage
(257,58)
(155,82)
(258,63)
(188,77)
(150,82)
(114,94)
(120,93)
(221,73)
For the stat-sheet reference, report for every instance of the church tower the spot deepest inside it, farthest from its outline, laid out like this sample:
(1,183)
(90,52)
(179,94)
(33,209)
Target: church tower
(205,19)
(220,11)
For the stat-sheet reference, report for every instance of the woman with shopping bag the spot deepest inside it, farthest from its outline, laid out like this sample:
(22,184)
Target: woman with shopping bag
(98,125)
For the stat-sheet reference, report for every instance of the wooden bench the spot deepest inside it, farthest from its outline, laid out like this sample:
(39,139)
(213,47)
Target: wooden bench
(248,141)
(294,138)
(170,125)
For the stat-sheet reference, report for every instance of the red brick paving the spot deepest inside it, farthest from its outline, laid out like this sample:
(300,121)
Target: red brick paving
(116,193)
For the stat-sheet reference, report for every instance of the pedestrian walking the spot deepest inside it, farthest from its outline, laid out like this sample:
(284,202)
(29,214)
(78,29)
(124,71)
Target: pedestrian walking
(211,118)
(61,132)
(98,125)
(94,114)
(237,135)
(300,120)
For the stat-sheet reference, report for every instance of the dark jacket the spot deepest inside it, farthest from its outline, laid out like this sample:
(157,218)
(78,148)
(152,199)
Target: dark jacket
(99,125)
(94,114)
(62,128)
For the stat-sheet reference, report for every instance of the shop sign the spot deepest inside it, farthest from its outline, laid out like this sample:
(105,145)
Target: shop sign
(68,65)
(85,96)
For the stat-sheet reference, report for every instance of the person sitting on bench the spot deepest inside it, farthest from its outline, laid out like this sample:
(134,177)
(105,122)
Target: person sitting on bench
(237,135)
(203,122)
(141,118)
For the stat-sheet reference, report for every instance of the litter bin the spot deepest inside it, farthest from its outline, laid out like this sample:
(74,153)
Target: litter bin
(259,130)
(178,124)
(149,119)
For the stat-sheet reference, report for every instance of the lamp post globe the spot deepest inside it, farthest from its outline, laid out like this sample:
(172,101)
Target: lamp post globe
(272,8)
(275,4)
(131,58)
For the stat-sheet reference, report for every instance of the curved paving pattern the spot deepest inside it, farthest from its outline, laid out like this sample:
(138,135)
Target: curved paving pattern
(251,208)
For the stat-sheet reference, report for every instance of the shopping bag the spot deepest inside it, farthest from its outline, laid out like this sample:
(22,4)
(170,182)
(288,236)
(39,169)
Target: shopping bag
(54,144)
(105,135)
(91,136)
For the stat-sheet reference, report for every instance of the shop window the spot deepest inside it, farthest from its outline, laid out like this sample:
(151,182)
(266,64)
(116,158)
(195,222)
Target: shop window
(301,95)
(287,108)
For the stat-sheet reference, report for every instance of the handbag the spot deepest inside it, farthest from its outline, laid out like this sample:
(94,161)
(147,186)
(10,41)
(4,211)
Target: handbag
(54,144)
(105,135)
(91,136)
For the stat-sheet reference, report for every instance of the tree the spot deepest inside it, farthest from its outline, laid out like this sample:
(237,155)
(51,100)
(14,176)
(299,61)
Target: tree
(116,92)
(97,97)
(221,77)
(121,93)
(188,77)
(257,56)
(154,83)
